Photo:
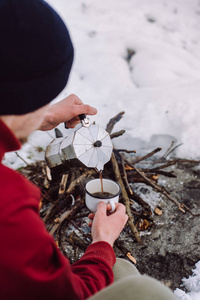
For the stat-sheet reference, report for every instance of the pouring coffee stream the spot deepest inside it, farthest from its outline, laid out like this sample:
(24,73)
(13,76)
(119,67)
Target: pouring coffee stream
(102,194)
(101,179)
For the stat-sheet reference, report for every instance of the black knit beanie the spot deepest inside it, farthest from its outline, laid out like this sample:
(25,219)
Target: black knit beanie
(36,55)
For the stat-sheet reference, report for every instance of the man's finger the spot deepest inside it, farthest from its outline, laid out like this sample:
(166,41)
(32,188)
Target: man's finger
(111,208)
(72,123)
(85,109)
(91,216)
(120,208)
(101,207)
(90,224)
(77,101)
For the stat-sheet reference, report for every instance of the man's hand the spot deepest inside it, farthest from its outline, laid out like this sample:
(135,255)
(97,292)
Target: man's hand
(107,227)
(67,111)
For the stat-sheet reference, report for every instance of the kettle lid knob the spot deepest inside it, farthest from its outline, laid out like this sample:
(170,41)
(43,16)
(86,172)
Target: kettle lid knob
(97,143)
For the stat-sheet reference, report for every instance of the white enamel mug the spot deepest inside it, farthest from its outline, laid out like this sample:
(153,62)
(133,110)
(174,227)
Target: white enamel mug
(94,186)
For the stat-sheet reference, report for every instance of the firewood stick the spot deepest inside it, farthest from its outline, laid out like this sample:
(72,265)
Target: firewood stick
(113,121)
(54,207)
(61,219)
(131,257)
(192,213)
(48,172)
(133,177)
(141,202)
(50,210)
(168,150)
(125,150)
(178,160)
(87,236)
(78,241)
(116,134)
(166,174)
(168,164)
(182,160)
(63,184)
(21,158)
(66,215)
(125,175)
(143,215)
(120,245)
(173,149)
(146,156)
(79,179)
(159,189)
(125,198)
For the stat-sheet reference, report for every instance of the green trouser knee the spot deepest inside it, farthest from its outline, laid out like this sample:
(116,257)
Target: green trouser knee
(130,285)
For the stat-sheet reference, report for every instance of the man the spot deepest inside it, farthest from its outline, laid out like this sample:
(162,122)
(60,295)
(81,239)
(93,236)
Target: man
(36,55)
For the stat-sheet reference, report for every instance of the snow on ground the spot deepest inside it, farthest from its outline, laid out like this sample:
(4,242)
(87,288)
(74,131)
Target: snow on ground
(137,56)
(192,284)
(158,87)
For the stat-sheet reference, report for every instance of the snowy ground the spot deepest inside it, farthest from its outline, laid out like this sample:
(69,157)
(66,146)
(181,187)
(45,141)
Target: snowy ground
(192,284)
(158,86)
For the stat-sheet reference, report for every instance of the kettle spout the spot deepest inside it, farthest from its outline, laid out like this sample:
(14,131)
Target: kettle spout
(100,166)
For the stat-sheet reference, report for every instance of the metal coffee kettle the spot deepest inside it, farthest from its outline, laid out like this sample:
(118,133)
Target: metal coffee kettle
(89,145)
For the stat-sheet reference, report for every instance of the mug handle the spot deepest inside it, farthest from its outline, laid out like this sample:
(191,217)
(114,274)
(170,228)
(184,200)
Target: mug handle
(112,203)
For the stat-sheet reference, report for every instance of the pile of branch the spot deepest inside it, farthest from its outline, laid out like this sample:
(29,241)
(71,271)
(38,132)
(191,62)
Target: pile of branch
(62,204)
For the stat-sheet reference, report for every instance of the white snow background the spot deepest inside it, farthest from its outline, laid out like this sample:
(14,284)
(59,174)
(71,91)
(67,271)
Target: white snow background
(158,87)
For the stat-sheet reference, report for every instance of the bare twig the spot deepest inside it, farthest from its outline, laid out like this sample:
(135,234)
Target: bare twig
(125,175)
(78,241)
(87,236)
(164,192)
(182,160)
(125,150)
(168,164)
(63,184)
(165,154)
(61,219)
(116,134)
(21,158)
(120,245)
(167,174)
(137,160)
(79,179)
(192,213)
(140,201)
(125,198)
(113,121)
(159,189)
(173,149)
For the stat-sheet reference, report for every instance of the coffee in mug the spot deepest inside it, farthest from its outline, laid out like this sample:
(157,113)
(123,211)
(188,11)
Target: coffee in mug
(94,194)
(102,195)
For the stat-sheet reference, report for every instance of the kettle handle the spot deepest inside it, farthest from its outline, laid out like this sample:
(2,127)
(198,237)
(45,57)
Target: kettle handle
(84,120)
(82,117)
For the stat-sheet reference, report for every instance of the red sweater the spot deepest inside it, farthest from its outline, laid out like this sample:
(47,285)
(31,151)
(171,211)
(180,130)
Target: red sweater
(31,265)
